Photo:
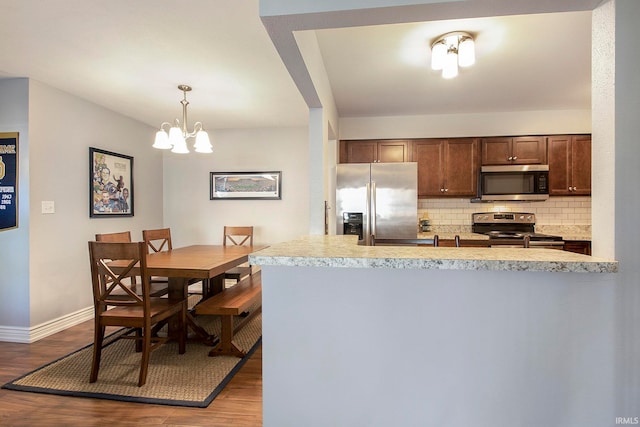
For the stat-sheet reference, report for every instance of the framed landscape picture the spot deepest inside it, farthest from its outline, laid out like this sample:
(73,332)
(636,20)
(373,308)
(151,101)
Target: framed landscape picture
(110,184)
(245,185)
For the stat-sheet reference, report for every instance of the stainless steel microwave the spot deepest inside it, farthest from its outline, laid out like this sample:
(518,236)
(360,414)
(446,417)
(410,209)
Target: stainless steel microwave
(514,182)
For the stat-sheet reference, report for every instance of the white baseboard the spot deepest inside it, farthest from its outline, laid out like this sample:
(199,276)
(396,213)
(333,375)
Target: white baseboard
(35,333)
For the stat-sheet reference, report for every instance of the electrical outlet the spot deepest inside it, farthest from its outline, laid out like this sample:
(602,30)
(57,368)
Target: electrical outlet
(48,207)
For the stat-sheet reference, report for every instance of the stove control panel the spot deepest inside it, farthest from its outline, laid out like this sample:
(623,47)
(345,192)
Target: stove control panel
(503,218)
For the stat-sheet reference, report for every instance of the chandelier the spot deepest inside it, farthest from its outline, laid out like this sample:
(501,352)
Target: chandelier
(452,50)
(176,138)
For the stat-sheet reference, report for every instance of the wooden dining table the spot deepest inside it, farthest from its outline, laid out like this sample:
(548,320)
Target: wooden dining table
(207,262)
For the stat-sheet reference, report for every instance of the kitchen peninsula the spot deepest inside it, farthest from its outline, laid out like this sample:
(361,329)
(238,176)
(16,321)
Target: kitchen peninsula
(458,336)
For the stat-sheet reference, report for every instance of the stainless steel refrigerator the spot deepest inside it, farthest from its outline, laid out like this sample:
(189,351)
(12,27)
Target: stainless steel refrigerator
(377,199)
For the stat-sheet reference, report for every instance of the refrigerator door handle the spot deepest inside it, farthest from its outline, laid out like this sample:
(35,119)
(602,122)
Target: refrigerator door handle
(373,208)
(367,218)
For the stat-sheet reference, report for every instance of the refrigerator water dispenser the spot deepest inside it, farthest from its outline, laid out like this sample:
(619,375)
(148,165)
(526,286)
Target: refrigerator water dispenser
(352,223)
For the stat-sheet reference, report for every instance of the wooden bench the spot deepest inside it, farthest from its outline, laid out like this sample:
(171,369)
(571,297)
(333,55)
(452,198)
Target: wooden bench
(230,303)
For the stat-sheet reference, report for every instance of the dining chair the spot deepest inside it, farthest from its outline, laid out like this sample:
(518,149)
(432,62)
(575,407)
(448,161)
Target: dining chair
(120,237)
(158,289)
(238,236)
(159,240)
(111,265)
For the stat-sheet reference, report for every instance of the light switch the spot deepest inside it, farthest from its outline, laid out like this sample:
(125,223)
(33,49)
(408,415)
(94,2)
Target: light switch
(48,207)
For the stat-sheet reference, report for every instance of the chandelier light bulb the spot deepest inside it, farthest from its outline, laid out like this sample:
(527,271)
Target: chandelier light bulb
(202,145)
(450,69)
(177,141)
(466,52)
(438,55)
(162,140)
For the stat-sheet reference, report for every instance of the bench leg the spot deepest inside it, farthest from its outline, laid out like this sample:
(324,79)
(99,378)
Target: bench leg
(226,346)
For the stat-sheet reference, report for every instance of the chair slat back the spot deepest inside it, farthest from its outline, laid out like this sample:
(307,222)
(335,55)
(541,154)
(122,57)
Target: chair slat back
(238,235)
(158,240)
(121,237)
(112,266)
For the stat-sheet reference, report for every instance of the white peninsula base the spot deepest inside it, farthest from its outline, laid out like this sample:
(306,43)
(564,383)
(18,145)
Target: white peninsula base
(423,347)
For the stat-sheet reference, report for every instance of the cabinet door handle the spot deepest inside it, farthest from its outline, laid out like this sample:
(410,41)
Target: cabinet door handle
(510,158)
(446,189)
(515,158)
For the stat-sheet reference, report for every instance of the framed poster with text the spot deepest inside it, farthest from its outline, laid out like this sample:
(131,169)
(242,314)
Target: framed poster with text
(110,184)
(8,180)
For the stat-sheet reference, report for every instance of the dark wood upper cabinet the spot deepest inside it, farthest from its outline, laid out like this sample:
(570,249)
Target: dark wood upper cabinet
(520,150)
(446,167)
(374,151)
(569,165)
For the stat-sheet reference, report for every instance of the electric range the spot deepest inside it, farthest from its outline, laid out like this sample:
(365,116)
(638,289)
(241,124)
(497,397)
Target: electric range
(513,225)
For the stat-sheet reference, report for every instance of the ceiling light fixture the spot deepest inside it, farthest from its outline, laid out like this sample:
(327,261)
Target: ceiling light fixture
(176,138)
(452,50)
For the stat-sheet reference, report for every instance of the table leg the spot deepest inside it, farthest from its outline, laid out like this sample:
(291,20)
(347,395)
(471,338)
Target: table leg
(215,285)
(178,292)
(226,346)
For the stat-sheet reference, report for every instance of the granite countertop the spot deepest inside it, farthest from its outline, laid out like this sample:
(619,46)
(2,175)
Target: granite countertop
(567,232)
(343,251)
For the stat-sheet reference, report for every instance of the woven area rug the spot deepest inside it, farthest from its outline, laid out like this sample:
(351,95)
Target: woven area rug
(191,379)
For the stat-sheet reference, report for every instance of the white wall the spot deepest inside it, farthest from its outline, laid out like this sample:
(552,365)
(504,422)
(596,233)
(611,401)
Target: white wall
(61,130)
(624,186)
(195,219)
(467,125)
(56,277)
(14,244)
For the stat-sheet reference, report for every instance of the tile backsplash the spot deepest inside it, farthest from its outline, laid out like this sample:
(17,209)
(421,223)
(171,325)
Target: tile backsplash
(563,211)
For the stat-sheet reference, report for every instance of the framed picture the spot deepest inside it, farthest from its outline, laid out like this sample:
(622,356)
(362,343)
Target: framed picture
(245,185)
(8,180)
(110,184)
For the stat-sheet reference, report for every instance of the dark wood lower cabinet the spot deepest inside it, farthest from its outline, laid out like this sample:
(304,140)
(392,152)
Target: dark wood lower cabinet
(447,243)
(578,246)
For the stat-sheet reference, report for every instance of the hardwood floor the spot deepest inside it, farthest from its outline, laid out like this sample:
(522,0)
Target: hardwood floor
(238,405)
